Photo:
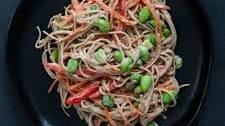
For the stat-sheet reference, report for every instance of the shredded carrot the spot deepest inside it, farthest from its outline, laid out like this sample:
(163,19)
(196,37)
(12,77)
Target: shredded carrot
(111,122)
(136,39)
(113,9)
(84,5)
(74,33)
(123,10)
(134,108)
(78,84)
(171,87)
(132,3)
(75,4)
(115,14)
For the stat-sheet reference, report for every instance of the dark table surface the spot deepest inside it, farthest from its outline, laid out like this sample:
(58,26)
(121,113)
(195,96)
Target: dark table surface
(211,113)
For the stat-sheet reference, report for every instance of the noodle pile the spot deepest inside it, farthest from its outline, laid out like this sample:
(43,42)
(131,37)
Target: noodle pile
(76,36)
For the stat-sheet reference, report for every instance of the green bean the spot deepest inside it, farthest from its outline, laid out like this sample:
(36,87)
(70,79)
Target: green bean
(144,54)
(100,56)
(144,14)
(126,64)
(102,24)
(117,56)
(72,66)
(178,62)
(146,82)
(54,55)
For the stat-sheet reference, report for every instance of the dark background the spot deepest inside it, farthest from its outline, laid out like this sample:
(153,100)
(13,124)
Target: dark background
(212,111)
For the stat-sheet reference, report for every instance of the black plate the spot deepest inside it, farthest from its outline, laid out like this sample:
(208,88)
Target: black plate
(24,62)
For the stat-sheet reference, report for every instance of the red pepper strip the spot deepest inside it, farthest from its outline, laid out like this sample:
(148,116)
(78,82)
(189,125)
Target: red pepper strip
(53,67)
(97,94)
(123,8)
(123,12)
(76,99)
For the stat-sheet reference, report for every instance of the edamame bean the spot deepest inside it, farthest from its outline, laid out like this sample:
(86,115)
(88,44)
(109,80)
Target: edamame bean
(72,66)
(144,14)
(54,55)
(100,56)
(136,76)
(146,82)
(151,123)
(117,56)
(151,23)
(178,62)
(108,101)
(167,98)
(102,24)
(126,64)
(144,54)
(137,90)
(166,33)
(147,44)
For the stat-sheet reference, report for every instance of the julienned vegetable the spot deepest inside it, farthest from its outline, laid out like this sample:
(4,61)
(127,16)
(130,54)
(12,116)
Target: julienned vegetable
(146,82)
(144,14)
(72,65)
(167,98)
(126,64)
(84,94)
(102,24)
(108,101)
